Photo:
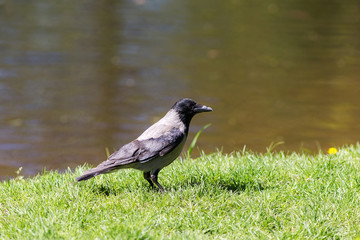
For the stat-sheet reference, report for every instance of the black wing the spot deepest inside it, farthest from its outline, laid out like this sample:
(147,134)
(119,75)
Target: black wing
(154,147)
(137,151)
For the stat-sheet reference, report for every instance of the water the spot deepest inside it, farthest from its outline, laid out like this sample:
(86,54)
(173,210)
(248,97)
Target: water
(77,77)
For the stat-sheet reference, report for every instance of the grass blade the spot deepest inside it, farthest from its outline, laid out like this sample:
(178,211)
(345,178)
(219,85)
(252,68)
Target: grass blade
(193,143)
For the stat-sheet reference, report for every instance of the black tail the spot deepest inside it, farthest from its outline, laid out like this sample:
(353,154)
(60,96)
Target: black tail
(94,172)
(86,176)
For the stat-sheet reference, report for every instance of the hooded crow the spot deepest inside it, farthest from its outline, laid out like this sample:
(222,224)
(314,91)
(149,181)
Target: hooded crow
(155,148)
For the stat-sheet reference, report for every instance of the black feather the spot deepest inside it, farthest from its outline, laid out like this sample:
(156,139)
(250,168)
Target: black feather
(136,152)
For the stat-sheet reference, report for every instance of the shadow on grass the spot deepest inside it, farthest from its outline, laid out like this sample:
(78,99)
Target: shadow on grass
(104,190)
(242,186)
(235,187)
(111,190)
(231,185)
(202,181)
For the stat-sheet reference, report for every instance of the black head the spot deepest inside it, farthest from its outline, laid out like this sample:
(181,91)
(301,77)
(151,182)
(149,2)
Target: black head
(187,108)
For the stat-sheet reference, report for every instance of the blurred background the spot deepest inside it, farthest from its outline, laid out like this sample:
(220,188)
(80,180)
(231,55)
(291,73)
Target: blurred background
(77,77)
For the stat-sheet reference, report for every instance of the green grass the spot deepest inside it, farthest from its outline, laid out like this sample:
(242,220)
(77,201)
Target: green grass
(238,196)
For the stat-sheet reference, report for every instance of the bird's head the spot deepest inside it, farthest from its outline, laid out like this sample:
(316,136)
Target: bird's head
(187,108)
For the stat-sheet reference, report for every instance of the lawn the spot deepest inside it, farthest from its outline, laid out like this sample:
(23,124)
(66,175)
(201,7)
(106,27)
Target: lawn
(243,195)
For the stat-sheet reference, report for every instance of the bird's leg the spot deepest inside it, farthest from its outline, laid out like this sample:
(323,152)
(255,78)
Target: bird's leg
(148,178)
(154,177)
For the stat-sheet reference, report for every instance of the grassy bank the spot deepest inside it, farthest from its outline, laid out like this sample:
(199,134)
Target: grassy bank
(242,195)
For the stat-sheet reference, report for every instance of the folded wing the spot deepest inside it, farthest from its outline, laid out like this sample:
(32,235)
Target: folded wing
(137,151)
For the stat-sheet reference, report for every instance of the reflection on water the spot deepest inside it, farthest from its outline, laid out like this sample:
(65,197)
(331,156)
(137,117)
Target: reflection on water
(79,76)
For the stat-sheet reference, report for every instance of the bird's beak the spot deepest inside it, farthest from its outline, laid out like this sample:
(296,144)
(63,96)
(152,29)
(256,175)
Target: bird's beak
(202,108)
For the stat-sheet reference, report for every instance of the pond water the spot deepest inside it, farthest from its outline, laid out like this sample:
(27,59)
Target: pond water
(77,77)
